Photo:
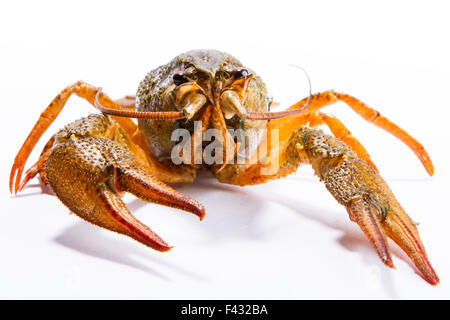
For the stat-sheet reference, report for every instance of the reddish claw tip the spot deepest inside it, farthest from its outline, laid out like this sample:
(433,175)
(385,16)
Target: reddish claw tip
(388,262)
(405,235)
(143,185)
(432,279)
(11,179)
(165,248)
(199,211)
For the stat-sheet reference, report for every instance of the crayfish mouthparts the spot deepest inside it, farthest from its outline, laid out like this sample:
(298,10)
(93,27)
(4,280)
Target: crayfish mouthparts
(231,104)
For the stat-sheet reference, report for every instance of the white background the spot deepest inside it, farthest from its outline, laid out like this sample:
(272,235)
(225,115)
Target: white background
(287,239)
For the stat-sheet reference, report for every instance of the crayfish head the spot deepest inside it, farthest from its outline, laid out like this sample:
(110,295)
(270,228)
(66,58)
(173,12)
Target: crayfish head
(210,77)
(207,86)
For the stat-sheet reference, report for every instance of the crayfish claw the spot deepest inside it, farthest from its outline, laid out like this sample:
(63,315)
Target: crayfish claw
(367,197)
(137,181)
(379,215)
(365,215)
(89,173)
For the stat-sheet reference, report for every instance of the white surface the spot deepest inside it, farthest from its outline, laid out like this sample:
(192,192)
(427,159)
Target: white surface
(286,239)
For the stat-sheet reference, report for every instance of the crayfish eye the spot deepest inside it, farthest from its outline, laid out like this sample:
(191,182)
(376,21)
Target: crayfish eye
(179,78)
(240,73)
